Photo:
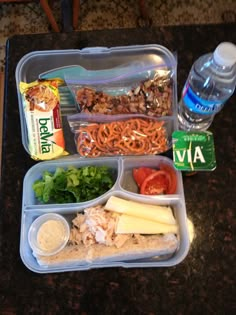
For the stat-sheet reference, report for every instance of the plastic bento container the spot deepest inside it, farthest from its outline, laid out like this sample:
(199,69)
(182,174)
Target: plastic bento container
(61,63)
(124,187)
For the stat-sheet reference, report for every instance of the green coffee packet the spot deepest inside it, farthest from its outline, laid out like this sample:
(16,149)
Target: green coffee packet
(193,151)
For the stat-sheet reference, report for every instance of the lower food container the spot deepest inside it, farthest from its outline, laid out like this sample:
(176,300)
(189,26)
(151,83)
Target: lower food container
(141,250)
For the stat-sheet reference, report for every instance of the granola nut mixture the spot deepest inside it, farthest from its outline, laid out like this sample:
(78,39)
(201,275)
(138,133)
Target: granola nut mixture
(152,97)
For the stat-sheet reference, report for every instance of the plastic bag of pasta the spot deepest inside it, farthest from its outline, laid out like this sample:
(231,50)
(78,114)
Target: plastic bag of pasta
(41,106)
(111,135)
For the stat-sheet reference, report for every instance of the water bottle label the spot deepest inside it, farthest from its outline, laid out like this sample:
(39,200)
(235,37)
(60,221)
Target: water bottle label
(199,105)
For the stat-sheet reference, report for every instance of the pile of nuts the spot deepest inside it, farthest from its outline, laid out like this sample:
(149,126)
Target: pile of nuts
(152,97)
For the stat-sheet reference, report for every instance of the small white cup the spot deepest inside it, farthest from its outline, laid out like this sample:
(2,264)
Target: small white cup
(48,234)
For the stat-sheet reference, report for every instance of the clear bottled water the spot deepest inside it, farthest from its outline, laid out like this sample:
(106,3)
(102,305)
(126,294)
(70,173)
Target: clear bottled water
(210,84)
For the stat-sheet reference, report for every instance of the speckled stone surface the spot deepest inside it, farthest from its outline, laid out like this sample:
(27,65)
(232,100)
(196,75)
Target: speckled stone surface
(204,283)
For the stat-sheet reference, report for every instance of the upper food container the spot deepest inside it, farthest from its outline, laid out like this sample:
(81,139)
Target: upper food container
(120,80)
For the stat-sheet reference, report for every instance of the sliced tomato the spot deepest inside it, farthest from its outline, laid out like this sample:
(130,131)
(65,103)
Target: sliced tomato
(173,177)
(156,183)
(141,173)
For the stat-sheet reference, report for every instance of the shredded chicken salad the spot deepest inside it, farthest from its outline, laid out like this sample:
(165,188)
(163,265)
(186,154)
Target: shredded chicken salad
(96,225)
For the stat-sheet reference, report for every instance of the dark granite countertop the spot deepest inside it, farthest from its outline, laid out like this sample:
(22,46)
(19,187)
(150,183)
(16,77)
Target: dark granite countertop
(204,283)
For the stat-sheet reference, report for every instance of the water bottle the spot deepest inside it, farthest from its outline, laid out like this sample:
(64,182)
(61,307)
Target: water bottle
(210,84)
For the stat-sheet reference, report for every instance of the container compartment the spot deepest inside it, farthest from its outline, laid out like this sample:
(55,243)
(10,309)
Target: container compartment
(35,173)
(179,211)
(128,183)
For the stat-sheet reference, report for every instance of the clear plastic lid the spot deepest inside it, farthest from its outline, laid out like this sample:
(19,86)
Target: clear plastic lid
(225,54)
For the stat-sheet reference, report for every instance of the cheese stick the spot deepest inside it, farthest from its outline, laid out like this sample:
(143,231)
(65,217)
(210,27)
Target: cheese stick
(160,214)
(130,224)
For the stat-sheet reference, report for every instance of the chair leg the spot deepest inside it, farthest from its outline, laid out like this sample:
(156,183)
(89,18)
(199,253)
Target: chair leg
(76,9)
(144,18)
(50,16)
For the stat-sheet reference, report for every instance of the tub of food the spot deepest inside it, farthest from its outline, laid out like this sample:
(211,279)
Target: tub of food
(55,85)
(121,212)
